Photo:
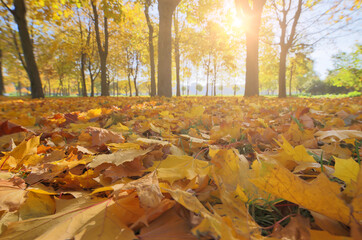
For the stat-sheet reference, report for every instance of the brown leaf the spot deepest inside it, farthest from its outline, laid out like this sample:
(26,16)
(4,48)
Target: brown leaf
(7,127)
(12,194)
(101,136)
(297,229)
(169,226)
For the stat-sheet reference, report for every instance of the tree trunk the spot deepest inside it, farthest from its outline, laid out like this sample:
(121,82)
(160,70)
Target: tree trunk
(207,77)
(129,83)
(290,78)
(49,87)
(19,13)
(102,50)
(135,74)
(92,78)
(215,74)
(282,70)
(252,43)
(165,9)
(177,54)
(286,43)
(82,58)
(1,74)
(19,88)
(151,48)
(252,65)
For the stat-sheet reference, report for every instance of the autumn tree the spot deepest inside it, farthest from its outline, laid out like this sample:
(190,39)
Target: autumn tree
(287,20)
(252,11)
(347,70)
(165,9)
(19,13)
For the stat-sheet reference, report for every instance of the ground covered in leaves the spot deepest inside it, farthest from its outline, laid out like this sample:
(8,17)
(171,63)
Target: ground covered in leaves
(180,168)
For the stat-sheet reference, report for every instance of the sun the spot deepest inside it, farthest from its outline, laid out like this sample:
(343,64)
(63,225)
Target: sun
(237,22)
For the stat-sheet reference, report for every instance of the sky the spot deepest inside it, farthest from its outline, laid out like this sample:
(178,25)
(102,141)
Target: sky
(342,41)
(323,52)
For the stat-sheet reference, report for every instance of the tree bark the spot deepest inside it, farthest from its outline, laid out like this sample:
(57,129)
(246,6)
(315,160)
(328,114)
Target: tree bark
(290,79)
(19,14)
(252,65)
(177,54)
(151,48)
(129,84)
(1,74)
(102,50)
(252,44)
(135,74)
(165,9)
(82,59)
(282,70)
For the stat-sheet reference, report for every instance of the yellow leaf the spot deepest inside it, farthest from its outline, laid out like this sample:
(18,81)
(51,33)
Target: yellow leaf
(17,155)
(85,221)
(195,112)
(92,113)
(119,128)
(118,157)
(122,146)
(37,205)
(317,235)
(346,169)
(320,195)
(179,167)
(299,153)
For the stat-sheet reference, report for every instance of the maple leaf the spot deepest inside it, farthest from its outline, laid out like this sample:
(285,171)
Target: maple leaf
(178,167)
(101,136)
(321,195)
(85,221)
(7,127)
(12,194)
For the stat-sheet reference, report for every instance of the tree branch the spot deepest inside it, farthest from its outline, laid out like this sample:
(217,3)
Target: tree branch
(7,7)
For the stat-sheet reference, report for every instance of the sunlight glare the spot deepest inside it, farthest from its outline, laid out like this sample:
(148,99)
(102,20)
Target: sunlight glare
(237,22)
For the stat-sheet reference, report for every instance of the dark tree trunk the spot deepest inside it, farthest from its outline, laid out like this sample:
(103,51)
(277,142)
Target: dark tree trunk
(19,14)
(102,50)
(129,83)
(49,87)
(151,48)
(177,54)
(84,86)
(135,73)
(82,58)
(19,88)
(165,9)
(282,70)
(252,44)
(1,75)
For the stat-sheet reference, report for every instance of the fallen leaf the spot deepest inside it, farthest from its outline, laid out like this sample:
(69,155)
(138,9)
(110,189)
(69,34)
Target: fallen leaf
(320,195)
(118,157)
(12,194)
